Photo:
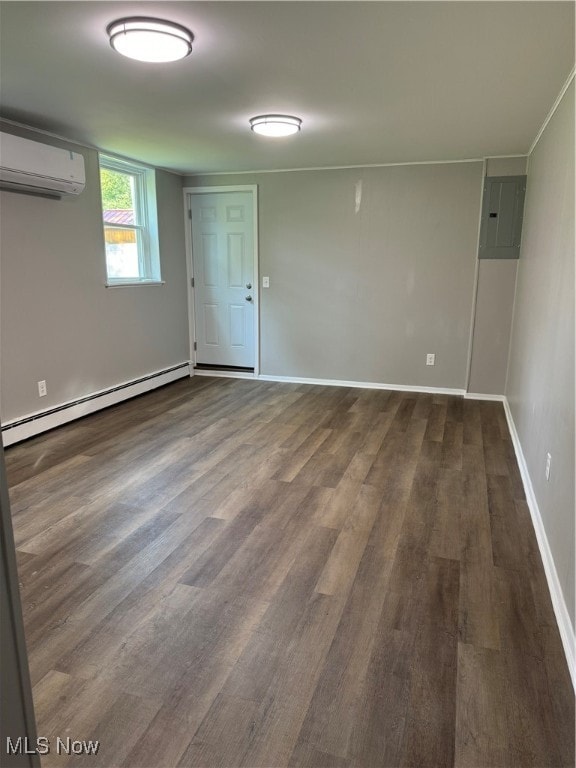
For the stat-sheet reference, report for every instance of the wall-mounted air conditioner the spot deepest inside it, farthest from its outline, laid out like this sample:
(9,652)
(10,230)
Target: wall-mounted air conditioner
(35,168)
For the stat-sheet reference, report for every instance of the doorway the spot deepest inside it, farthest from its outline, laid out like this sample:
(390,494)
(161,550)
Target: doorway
(223,285)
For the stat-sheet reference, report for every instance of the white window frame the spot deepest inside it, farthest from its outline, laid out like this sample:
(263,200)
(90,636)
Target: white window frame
(148,257)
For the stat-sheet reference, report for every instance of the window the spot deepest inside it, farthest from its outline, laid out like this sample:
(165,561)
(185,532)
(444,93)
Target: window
(129,213)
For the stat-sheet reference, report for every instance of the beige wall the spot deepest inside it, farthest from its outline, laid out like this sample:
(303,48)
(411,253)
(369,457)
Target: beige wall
(364,295)
(540,385)
(58,321)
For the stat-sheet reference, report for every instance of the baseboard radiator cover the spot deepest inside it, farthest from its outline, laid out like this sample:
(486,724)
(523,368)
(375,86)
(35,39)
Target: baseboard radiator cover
(34,424)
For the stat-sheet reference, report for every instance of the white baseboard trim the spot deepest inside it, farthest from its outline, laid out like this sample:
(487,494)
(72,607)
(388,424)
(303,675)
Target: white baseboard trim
(333,382)
(41,421)
(361,385)
(480,396)
(559,604)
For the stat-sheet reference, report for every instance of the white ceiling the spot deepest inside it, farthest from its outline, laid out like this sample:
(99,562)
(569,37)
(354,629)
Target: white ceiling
(374,82)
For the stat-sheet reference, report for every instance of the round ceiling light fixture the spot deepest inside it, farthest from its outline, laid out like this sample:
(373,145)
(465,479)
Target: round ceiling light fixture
(146,39)
(275,125)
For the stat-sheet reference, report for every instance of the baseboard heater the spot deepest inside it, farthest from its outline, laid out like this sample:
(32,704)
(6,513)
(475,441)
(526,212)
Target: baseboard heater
(35,423)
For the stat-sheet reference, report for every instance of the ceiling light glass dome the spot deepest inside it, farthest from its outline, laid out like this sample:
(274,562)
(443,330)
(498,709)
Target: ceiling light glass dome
(153,40)
(275,125)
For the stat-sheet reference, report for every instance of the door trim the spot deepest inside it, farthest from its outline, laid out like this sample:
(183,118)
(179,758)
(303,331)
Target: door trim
(188,192)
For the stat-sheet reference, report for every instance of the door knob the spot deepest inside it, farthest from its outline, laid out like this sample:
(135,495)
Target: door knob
(248,298)
(248,285)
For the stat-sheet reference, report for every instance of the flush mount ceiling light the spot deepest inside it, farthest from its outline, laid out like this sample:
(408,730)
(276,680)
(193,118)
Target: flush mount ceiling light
(147,39)
(275,125)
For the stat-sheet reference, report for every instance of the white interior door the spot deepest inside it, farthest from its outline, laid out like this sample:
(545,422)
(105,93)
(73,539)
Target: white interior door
(224,280)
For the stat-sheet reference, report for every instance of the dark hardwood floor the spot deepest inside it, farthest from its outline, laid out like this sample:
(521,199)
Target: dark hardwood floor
(240,573)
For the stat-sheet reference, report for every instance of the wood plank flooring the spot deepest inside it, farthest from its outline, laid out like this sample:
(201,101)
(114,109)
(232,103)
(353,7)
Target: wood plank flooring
(239,573)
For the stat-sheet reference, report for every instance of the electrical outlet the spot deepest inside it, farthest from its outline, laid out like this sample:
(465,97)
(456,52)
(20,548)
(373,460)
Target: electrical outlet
(265,282)
(42,392)
(431,359)
(548,465)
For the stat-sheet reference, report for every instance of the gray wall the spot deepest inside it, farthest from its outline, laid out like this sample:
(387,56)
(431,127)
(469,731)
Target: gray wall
(506,166)
(540,385)
(365,295)
(493,322)
(58,321)
(494,305)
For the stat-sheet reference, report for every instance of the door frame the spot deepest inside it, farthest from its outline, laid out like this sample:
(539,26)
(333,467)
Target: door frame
(188,192)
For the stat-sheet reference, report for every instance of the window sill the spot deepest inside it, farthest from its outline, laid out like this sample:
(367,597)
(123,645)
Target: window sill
(136,282)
